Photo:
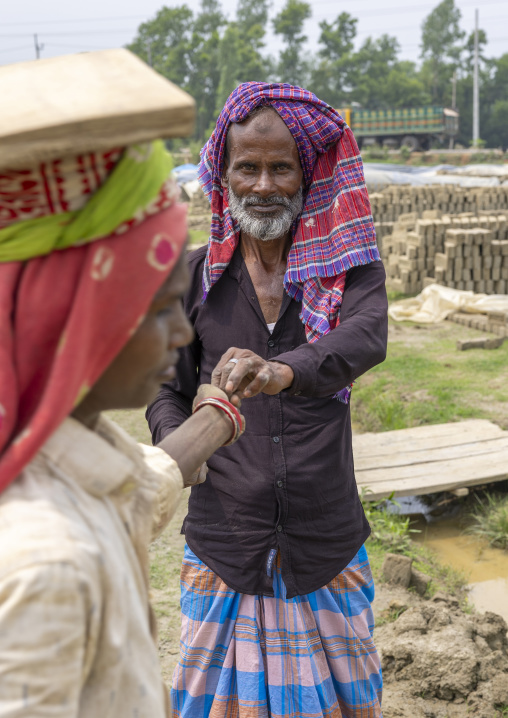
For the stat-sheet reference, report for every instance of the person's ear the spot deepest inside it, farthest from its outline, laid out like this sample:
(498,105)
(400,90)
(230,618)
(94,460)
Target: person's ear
(225,170)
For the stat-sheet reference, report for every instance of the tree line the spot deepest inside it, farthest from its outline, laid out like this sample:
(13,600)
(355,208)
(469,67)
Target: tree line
(209,54)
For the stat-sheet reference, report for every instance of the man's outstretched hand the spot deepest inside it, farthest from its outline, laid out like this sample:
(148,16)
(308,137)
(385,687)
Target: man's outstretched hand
(249,375)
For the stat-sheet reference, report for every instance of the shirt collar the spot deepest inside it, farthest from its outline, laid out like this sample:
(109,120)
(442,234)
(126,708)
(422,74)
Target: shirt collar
(236,264)
(90,457)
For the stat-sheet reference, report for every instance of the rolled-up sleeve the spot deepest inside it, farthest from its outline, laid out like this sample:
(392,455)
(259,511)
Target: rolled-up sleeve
(169,487)
(43,646)
(355,346)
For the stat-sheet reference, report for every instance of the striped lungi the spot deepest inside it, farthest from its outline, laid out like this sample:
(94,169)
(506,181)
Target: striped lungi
(258,657)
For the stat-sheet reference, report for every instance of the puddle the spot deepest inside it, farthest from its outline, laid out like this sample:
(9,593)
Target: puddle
(486,568)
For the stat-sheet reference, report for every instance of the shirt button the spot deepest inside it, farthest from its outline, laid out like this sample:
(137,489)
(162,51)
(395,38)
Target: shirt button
(275,439)
(271,343)
(280,484)
(297,393)
(279,528)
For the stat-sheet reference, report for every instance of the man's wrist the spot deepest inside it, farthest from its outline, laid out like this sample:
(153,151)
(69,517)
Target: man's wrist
(285,374)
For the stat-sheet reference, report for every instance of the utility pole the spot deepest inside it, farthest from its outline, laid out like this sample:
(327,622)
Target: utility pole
(149,52)
(38,48)
(476,94)
(454,102)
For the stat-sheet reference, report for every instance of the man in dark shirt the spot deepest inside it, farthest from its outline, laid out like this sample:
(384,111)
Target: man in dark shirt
(289,307)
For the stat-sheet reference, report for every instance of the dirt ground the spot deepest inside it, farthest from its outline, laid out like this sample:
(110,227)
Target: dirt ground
(439,661)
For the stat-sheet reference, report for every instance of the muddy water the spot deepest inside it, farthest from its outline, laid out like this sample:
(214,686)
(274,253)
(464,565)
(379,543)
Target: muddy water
(485,568)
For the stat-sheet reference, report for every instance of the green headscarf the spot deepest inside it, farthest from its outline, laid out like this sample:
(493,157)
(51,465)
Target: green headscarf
(132,185)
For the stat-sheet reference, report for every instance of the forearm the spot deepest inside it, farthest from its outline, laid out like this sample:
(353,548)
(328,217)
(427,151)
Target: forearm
(326,367)
(167,412)
(359,342)
(192,443)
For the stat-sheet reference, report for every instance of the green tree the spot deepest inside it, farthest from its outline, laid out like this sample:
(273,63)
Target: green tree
(166,41)
(441,48)
(371,65)
(329,80)
(240,57)
(403,86)
(288,23)
(185,48)
(205,76)
(494,127)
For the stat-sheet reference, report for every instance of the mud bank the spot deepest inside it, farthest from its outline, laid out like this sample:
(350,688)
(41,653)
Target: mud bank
(438,661)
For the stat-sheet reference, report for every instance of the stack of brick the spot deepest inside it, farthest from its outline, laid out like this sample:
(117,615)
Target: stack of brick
(395,200)
(199,214)
(462,252)
(494,322)
(473,260)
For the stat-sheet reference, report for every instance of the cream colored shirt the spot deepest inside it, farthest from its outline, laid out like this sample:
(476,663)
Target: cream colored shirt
(77,634)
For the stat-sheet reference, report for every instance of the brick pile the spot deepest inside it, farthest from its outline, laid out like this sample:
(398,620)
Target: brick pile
(199,214)
(395,200)
(494,322)
(463,252)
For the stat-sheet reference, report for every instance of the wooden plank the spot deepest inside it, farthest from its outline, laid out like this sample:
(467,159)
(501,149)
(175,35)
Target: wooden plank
(409,457)
(421,437)
(468,466)
(430,459)
(434,484)
(443,476)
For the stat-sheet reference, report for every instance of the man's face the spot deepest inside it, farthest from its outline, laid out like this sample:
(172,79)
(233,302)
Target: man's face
(149,358)
(263,176)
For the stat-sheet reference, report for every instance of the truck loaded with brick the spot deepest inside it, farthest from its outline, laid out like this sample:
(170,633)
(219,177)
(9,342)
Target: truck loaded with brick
(413,127)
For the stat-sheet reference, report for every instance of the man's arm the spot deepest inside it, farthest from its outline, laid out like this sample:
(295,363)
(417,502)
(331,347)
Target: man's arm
(355,346)
(328,365)
(173,404)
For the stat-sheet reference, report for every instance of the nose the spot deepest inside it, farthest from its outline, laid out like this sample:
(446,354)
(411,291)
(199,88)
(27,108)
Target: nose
(264,185)
(181,331)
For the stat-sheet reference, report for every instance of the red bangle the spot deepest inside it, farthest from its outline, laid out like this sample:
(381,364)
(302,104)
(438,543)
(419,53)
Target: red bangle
(231,412)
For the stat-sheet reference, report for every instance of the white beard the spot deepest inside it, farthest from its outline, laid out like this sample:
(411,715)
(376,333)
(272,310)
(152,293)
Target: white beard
(265,228)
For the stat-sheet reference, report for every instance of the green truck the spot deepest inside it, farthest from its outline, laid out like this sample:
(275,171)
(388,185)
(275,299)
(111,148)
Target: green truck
(414,127)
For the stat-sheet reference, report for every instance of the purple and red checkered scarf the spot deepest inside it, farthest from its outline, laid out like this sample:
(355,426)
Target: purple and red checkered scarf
(334,232)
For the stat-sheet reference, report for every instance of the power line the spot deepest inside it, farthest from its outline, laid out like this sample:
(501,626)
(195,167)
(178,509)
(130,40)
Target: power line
(16,49)
(85,19)
(81,32)
(386,10)
(75,46)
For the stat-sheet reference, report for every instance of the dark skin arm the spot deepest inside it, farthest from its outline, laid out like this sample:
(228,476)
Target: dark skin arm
(198,437)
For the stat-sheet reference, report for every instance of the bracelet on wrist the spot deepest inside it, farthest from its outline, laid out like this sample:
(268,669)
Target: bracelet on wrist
(229,410)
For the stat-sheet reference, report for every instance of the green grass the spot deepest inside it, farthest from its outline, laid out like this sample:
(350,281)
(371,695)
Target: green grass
(490,520)
(198,236)
(425,380)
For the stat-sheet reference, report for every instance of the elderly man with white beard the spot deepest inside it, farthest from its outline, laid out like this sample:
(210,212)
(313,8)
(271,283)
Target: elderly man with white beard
(289,307)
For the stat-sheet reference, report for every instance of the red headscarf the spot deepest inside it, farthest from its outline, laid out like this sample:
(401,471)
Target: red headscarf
(63,319)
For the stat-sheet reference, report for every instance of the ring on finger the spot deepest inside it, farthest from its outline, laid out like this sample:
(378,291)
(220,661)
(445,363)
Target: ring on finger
(233,361)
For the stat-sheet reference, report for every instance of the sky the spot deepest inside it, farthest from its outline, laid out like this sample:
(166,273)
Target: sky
(66,27)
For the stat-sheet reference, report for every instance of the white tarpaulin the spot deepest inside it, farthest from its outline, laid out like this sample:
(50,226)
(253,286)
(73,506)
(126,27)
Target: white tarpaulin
(500,171)
(435,303)
(380,175)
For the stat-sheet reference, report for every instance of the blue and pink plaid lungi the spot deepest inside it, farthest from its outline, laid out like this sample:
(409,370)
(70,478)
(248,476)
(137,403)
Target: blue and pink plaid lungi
(247,656)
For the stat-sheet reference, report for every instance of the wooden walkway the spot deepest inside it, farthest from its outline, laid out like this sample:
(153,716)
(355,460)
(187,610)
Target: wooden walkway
(428,459)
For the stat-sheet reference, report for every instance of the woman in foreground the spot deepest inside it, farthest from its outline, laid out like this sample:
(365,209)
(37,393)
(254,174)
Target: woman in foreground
(91,280)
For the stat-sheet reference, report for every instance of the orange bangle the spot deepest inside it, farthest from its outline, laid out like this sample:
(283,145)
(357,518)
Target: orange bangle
(231,412)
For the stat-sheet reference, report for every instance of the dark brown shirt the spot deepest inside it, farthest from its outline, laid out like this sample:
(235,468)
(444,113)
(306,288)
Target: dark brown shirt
(288,483)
